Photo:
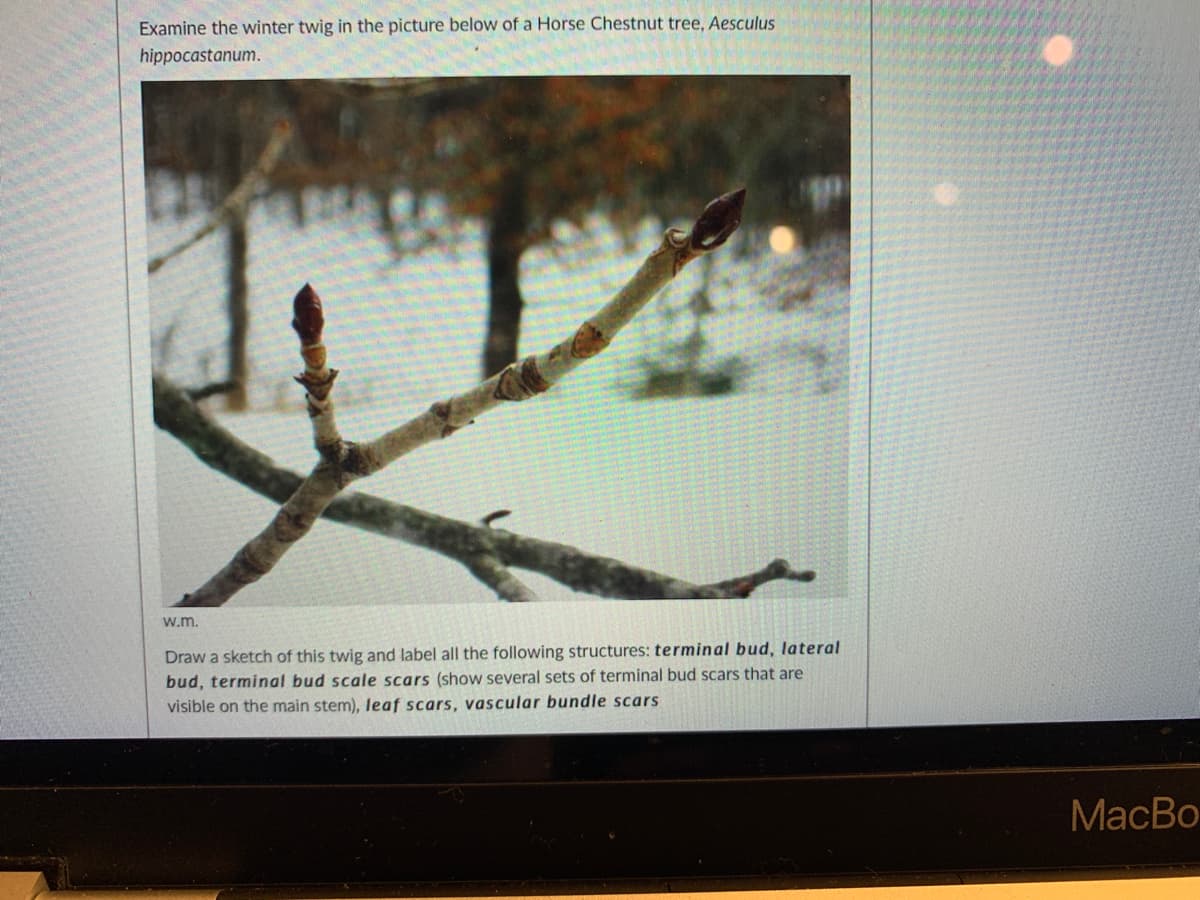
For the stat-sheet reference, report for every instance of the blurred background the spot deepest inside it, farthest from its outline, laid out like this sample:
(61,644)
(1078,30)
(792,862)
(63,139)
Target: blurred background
(444,212)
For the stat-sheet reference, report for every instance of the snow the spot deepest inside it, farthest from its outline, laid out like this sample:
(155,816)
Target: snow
(703,488)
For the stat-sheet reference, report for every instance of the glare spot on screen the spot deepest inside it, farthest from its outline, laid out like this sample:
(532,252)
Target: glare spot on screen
(1058,50)
(782,239)
(946,193)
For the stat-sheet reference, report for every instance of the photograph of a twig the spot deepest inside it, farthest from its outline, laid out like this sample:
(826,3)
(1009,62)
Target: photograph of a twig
(549,179)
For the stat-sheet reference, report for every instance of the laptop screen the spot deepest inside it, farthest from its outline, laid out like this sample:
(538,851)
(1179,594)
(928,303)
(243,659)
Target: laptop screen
(600,371)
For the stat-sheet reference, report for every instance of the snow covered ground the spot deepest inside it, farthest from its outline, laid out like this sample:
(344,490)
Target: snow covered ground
(703,488)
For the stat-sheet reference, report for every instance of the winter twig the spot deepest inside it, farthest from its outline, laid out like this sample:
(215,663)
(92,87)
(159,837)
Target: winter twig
(343,462)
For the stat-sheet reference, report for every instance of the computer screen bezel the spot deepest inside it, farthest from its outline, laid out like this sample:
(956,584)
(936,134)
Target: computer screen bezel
(753,809)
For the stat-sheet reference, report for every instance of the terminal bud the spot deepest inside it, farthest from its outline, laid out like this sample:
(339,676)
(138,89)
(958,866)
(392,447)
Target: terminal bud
(719,220)
(309,319)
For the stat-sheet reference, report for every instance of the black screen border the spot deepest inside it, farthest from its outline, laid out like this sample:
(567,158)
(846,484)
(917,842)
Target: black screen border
(550,759)
(589,813)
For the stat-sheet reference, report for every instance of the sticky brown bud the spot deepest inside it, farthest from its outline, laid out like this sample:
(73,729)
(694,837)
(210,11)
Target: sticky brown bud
(719,220)
(309,320)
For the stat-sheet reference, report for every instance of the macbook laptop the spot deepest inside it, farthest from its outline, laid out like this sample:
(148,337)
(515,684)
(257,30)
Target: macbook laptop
(600,449)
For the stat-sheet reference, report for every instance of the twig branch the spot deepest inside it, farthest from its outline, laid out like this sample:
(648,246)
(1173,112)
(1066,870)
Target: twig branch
(212,389)
(344,462)
(489,569)
(774,571)
(317,378)
(237,199)
(536,374)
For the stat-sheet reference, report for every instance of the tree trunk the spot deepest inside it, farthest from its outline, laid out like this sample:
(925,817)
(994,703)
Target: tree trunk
(237,296)
(506,241)
(239,313)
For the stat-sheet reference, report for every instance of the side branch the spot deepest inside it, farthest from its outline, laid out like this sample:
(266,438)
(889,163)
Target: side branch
(536,374)
(237,199)
(317,378)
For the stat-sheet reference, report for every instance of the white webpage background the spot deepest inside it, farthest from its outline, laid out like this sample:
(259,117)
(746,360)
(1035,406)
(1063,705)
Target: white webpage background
(1034,438)
(1035,463)
(832,697)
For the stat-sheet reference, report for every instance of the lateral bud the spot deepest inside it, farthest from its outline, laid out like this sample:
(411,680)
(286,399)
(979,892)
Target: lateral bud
(308,317)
